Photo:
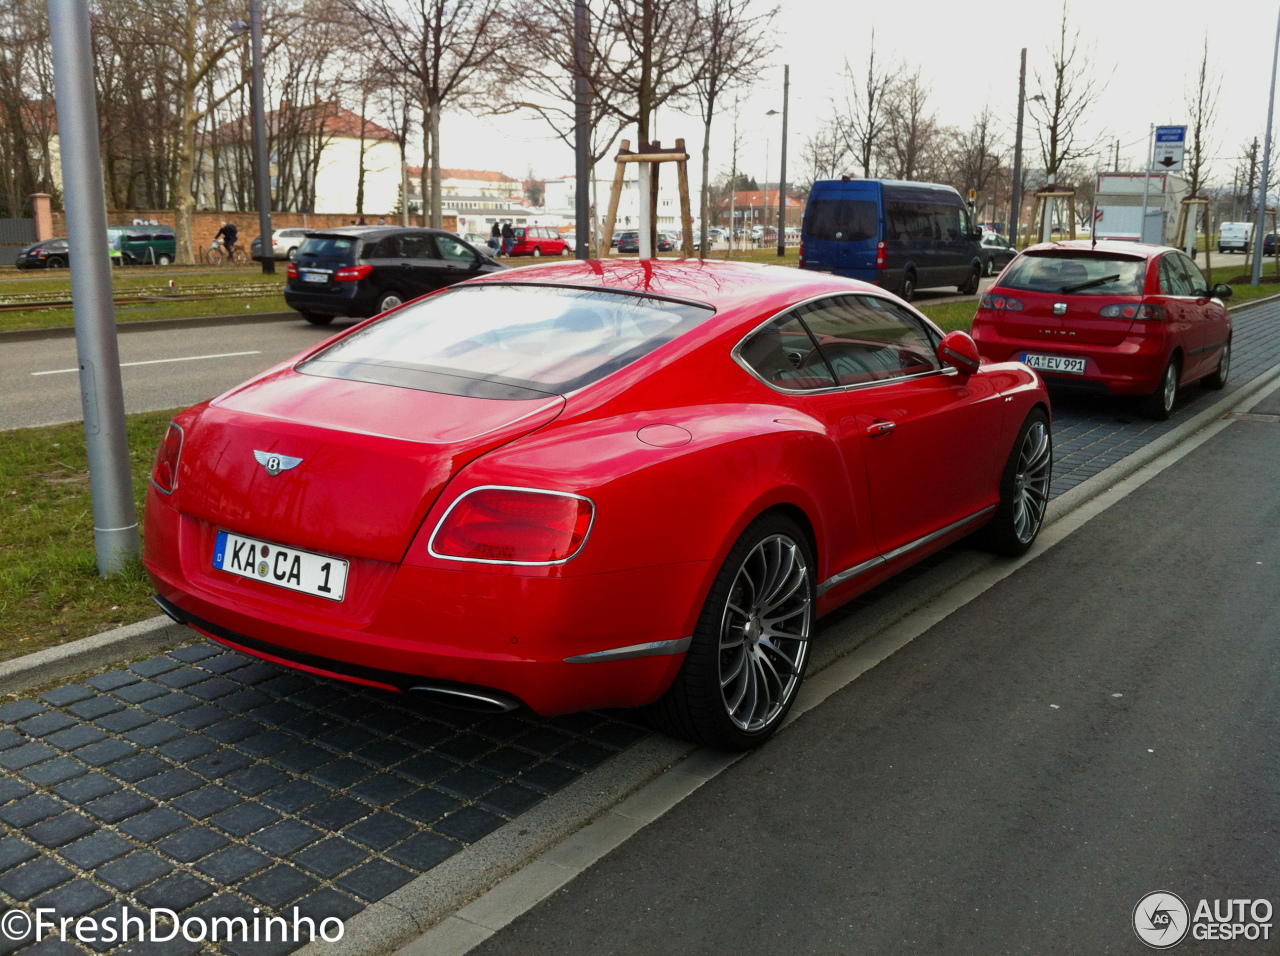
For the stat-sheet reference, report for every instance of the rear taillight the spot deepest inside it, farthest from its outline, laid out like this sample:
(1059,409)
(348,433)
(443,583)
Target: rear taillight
(882,255)
(1000,303)
(802,250)
(352,273)
(1147,313)
(293,271)
(498,525)
(165,472)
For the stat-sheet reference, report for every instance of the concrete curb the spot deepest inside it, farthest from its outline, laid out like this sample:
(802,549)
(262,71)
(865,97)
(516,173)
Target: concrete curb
(140,639)
(1240,307)
(150,325)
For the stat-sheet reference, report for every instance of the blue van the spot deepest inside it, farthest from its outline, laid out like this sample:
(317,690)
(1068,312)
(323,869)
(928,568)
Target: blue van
(900,236)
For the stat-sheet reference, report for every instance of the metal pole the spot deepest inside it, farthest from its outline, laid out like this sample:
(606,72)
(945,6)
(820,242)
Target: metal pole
(1015,204)
(1266,166)
(1146,187)
(404,190)
(782,178)
(115,518)
(261,158)
(582,130)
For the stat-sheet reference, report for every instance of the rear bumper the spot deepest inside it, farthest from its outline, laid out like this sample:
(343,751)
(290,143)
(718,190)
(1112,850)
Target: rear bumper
(510,633)
(354,300)
(1133,367)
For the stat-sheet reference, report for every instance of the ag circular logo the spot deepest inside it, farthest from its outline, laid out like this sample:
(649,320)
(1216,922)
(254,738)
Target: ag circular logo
(1161,919)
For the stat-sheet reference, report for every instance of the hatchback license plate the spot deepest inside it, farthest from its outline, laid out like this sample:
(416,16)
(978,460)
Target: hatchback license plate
(316,574)
(1054,363)
(315,277)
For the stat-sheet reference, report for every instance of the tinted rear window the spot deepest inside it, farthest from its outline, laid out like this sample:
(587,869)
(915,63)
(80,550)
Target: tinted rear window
(1076,274)
(508,342)
(328,247)
(843,220)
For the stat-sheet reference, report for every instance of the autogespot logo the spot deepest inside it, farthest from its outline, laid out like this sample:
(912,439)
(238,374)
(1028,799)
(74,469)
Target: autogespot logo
(1160,919)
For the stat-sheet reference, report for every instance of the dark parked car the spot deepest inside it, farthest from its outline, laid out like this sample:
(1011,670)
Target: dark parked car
(364,271)
(50,254)
(628,242)
(1269,244)
(997,253)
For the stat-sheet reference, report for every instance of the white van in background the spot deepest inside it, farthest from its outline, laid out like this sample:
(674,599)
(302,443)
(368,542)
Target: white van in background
(1234,236)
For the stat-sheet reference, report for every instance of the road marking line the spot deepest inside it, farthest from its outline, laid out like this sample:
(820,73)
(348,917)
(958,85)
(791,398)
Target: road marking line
(185,358)
(476,922)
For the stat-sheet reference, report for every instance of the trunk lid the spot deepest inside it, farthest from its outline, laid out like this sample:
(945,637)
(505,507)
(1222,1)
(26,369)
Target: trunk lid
(374,458)
(1080,324)
(319,257)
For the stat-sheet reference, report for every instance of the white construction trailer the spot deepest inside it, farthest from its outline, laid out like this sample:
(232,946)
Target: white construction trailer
(1119,213)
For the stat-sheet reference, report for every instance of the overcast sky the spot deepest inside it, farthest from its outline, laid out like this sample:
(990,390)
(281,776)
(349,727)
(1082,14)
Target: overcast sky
(1144,53)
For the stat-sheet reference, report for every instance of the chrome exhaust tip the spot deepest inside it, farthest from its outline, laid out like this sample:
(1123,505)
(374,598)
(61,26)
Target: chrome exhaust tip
(477,699)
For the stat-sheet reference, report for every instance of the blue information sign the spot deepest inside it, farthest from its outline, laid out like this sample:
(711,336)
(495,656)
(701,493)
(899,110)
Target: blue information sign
(1171,134)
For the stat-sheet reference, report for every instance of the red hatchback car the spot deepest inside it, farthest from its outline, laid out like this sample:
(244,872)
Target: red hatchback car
(538,241)
(1115,318)
(592,484)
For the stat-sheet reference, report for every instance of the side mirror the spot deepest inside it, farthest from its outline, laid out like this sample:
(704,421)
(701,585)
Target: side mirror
(960,352)
(1221,291)
(976,236)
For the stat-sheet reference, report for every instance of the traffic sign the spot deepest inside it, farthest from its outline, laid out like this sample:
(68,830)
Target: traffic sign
(1170,145)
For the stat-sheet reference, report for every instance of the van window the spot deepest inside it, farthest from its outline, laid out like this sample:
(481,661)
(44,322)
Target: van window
(946,221)
(909,220)
(846,220)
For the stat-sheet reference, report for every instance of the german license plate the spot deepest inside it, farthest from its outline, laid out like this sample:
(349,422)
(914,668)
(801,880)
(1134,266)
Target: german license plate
(1054,363)
(317,574)
(315,277)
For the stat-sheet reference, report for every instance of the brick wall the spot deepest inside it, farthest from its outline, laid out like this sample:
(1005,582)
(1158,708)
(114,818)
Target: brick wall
(205,225)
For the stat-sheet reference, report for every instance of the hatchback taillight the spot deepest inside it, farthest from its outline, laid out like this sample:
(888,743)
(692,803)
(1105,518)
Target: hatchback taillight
(165,472)
(513,526)
(1131,310)
(882,255)
(293,271)
(1001,303)
(352,273)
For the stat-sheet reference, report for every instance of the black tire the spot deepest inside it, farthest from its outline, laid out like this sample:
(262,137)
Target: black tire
(163,260)
(1007,533)
(907,291)
(55,262)
(1158,406)
(1218,377)
(316,318)
(389,300)
(970,285)
(694,706)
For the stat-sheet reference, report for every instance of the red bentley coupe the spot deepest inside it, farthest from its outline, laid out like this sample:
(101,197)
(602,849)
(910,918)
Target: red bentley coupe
(592,484)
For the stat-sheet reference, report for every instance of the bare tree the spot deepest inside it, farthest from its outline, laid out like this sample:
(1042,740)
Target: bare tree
(977,154)
(1202,113)
(662,42)
(912,136)
(734,42)
(863,121)
(444,45)
(1067,93)
(822,155)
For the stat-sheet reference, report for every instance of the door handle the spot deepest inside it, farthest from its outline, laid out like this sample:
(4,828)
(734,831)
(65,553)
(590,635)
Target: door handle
(881,428)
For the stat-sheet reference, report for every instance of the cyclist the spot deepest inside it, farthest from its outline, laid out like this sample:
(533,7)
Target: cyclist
(227,234)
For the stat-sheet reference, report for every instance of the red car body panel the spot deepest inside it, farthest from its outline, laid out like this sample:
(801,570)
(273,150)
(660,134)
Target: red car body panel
(678,452)
(1122,356)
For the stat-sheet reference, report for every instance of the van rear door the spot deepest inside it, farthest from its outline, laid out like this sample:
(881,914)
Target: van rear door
(842,229)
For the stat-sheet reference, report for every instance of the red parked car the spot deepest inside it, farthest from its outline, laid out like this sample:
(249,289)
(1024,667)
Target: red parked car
(1115,318)
(592,484)
(538,241)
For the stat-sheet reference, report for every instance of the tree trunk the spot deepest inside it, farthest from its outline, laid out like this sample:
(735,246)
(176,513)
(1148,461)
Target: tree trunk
(437,206)
(704,201)
(185,203)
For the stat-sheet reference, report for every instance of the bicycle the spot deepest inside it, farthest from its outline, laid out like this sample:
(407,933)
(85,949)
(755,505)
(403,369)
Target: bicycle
(217,255)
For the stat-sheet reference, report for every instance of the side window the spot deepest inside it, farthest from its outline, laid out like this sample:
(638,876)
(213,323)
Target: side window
(964,223)
(1173,280)
(453,250)
(869,339)
(946,221)
(784,355)
(414,247)
(1195,278)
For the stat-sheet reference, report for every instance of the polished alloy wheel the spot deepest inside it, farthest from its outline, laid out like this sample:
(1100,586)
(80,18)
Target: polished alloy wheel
(764,633)
(1031,482)
(389,302)
(1169,388)
(1224,364)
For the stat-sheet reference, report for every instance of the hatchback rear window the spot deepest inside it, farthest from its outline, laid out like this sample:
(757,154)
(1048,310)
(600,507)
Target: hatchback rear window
(328,247)
(842,220)
(1085,273)
(508,341)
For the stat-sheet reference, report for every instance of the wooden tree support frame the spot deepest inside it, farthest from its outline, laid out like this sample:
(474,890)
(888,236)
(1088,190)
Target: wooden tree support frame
(1185,218)
(653,155)
(1257,243)
(1041,210)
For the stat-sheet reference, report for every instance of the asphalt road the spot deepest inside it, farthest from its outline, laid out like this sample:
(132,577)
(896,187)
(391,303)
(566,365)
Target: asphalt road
(1100,725)
(40,384)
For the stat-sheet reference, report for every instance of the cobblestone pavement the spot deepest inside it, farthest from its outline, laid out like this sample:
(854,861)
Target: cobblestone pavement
(1090,434)
(211,783)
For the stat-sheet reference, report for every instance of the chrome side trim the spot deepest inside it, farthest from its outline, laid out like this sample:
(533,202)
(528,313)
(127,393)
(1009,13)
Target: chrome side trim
(651,649)
(851,573)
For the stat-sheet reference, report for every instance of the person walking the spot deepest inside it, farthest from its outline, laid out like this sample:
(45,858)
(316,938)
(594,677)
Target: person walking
(495,237)
(227,234)
(508,238)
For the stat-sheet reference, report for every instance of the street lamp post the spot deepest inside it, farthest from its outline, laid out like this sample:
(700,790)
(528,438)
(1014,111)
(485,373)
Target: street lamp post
(261,159)
(1015,206)
(782,177)
(115,517)
(581,131)
(1266,167)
